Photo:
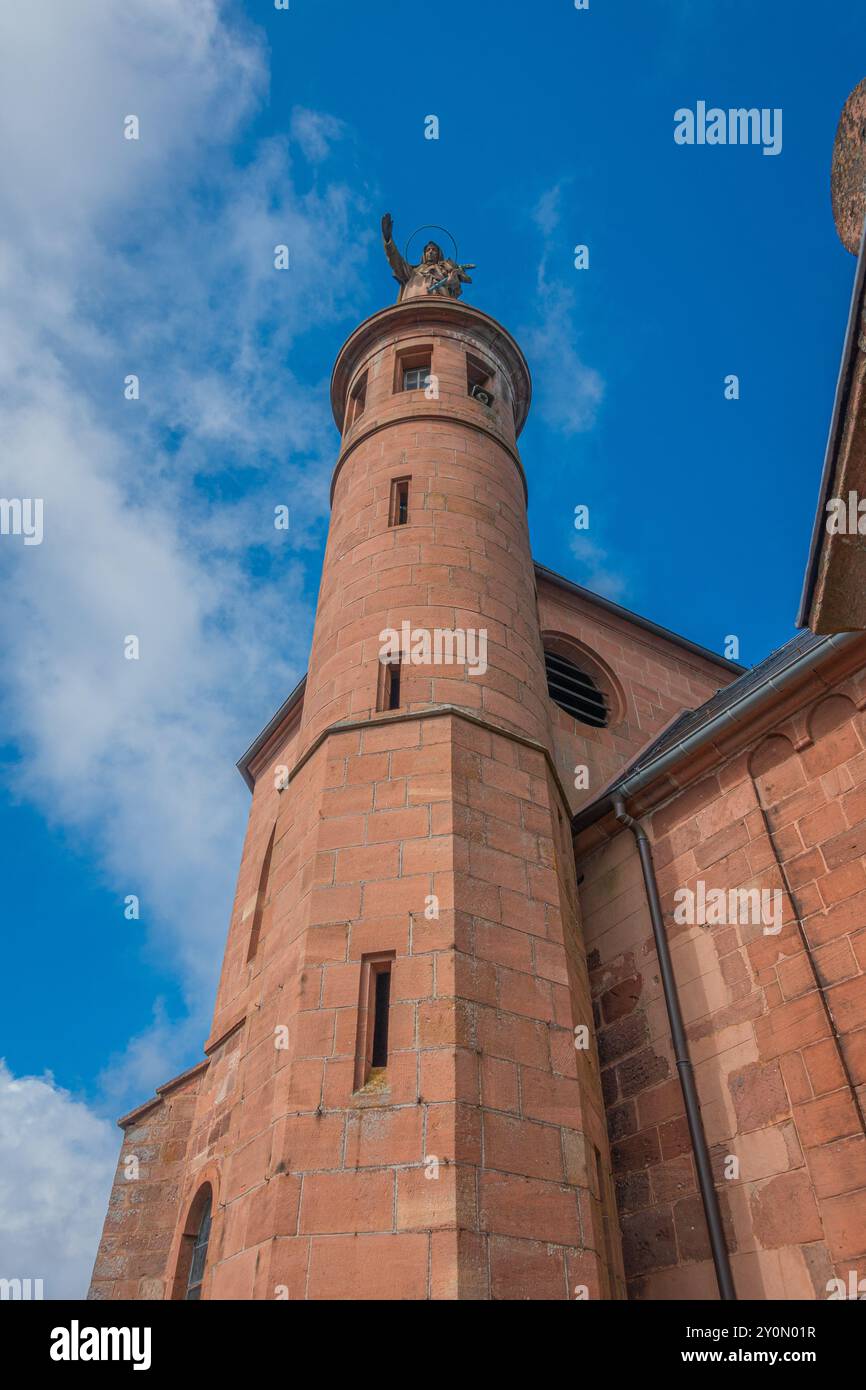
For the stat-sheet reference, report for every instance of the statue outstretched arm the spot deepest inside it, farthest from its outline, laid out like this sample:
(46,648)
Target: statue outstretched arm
(401,267)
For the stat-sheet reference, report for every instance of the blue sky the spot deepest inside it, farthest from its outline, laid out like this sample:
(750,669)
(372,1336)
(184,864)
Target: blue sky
(261,127)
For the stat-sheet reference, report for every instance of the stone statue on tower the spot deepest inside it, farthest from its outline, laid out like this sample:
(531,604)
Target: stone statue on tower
(435,273)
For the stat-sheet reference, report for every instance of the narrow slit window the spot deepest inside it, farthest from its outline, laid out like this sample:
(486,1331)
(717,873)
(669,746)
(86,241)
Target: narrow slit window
(388,694)
(381,1009)
(374,1013)
(399,509)
(358,400)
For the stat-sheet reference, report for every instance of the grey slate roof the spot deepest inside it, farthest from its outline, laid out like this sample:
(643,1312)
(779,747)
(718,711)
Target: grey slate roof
(690,721)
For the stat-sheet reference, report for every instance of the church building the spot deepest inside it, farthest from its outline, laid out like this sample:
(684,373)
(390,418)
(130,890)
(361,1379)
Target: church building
(545,973)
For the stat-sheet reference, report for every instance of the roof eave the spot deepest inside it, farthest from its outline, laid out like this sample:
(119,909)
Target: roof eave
(270,729)
(733,667)
(737,715)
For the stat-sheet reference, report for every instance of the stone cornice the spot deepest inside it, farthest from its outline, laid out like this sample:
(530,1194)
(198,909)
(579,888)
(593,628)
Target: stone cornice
(397,319)
(420,413)
(434,712)
(133,1116)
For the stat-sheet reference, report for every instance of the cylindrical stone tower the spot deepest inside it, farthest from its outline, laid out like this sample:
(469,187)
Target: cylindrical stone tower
(402,1098)
(458,557)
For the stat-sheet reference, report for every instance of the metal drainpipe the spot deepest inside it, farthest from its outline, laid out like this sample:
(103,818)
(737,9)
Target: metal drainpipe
(709,1196)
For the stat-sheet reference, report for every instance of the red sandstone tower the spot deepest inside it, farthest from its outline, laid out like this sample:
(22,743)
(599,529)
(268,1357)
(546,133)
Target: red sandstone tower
(408,1087)
(395,1101)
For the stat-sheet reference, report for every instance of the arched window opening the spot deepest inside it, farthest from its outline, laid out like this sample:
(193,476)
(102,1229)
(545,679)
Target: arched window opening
(192,1252)
(574,691)
(199,1253)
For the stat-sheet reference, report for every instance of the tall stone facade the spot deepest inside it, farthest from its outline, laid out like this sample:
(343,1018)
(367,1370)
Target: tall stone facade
(408,869)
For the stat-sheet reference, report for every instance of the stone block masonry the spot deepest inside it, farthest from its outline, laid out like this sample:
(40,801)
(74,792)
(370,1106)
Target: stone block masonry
(402,1097)
(776,1022)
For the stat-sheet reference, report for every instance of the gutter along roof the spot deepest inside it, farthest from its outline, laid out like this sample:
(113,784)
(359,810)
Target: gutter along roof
(725,712)
(608,606)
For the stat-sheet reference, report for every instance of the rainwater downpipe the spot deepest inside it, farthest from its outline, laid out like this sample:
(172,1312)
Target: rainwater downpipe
(709,1196)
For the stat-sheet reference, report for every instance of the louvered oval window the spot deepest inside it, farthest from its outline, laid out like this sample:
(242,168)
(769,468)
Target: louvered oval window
(574,691)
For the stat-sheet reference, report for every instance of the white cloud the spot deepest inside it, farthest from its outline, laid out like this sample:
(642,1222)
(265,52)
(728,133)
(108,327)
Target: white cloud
(156,257)
(72,73)
(57,1161)
(315,132)
(568,391)
(546,212)
(594,570)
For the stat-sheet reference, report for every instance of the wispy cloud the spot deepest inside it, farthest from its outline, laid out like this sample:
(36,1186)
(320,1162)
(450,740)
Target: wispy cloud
(315,132)
(546,213)
(155,257)
(569,391)
(594,569)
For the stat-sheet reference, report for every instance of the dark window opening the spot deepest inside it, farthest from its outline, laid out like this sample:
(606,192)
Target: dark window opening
(412,368)
(381,1006)
(398,512)
(374,1004)
(479,380)
(199,1255)
(574,691)
(388,695)
(358,400)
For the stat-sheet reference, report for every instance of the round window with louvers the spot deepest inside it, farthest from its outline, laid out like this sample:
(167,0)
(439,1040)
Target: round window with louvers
(574,691)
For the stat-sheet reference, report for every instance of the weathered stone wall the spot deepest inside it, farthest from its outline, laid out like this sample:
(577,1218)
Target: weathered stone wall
(144,1206)
(776,1023)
